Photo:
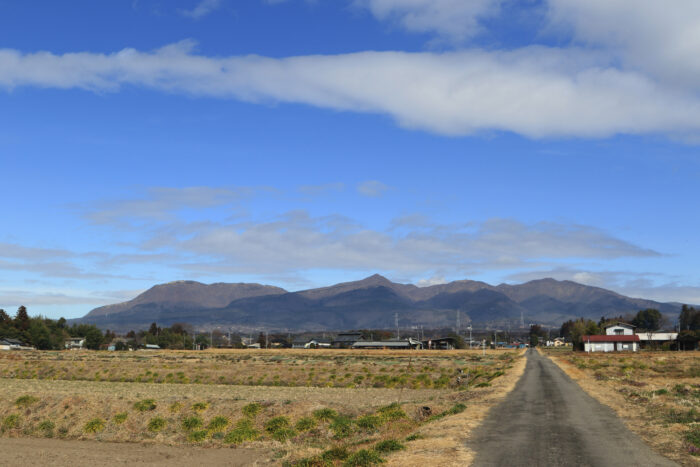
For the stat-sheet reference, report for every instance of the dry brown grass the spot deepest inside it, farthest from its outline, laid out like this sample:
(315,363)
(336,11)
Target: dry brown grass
(68,390)
(657,394)
(443,442)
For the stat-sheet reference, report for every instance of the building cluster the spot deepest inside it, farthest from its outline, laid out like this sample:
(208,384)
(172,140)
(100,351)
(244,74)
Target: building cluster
(620,337)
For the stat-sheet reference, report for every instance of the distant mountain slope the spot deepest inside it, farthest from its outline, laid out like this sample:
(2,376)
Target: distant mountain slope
(367,303)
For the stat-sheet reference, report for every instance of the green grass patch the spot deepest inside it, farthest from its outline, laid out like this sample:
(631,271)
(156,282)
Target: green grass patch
(341,426)
(145,405)
(218,423)
(369,422)
(305,424)
(25,401)
(10,422)
(276,423)
(157,424)
(192,423)
(389,445)
(94,426)
(120,418)
(200,406)
(243,431)
(338,453)
(363,457)
(325,414)
(252,410)
(197,436)
(392,412)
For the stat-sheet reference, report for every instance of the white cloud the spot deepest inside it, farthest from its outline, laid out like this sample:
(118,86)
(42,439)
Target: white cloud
(455,20)
(202,9)
(535,91)
(435,280)
(372,188)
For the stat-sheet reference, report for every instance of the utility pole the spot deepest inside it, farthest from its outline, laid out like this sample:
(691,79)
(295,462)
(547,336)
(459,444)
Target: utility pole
(458,322)
(470,336)
(267,339)
(396,321)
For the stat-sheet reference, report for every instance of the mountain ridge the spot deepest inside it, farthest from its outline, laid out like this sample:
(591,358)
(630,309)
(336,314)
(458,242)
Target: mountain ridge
(371,302)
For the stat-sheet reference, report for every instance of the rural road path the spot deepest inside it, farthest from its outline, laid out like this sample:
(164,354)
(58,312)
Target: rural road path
(548,420)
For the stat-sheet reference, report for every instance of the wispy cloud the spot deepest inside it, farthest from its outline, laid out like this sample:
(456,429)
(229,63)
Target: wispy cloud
(372,188)
(202,9)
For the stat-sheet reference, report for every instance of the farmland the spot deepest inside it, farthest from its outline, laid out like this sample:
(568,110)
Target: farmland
(329,407)
(657,394)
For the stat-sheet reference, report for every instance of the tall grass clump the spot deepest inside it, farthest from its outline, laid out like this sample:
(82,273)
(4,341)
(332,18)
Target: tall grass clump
(305,424)
(392,412)
(341,426)
(389,445)
(120,418)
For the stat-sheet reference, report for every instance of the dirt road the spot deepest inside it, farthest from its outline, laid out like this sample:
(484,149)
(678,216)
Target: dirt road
(548,420)
(70,453)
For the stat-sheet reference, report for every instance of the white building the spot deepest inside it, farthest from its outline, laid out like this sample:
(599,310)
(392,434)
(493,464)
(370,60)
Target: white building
(75,343)
(618,337)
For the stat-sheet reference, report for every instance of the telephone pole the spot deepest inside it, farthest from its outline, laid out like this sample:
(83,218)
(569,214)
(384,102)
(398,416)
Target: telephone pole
(396,321)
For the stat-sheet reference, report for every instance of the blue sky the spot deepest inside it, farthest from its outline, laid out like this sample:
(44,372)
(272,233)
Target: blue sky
(303,143)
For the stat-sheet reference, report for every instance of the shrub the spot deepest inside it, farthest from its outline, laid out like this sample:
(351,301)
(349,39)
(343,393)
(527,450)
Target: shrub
(200,406)
(145,405)
(190,423)
(244,431)
(341,426)
(661,392)
(94,426)
(305,424)
(218,423)
(197,436)
(120,418)
(325,414)
(156,424)
(392,412)
(389,445)
(252,409)
(311,462)
(369,422)
(25,401)
(415,436)
(11,421)
(363,457)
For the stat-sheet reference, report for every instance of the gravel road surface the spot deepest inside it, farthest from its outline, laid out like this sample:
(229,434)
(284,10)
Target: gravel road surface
(548,420)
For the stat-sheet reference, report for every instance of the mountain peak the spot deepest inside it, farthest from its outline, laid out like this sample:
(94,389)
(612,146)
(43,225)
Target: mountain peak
(375,279)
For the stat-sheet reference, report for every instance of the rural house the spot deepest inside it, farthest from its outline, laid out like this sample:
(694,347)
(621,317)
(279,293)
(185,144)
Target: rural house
(345,340)
(403,344)
(7,343)
(75,343)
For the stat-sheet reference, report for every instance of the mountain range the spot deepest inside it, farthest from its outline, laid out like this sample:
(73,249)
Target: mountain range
(368,303)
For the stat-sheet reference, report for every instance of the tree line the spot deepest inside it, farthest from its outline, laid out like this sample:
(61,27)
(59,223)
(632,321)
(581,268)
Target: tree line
(44,333)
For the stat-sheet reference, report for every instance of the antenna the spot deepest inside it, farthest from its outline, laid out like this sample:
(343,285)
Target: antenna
(396,321)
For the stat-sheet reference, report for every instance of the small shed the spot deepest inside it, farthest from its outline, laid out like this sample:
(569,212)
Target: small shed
(611,343)
(440,343)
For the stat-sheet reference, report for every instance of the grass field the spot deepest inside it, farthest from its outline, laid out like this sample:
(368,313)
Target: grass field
(307,407)
(656,393)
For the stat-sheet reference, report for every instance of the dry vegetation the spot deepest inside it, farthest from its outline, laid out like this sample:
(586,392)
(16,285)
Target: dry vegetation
(657,394)
(306,407)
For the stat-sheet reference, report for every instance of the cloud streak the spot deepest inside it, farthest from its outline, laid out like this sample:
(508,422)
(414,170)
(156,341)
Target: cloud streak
(537,92)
